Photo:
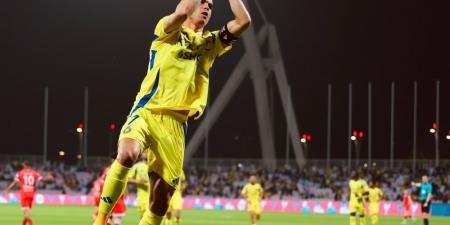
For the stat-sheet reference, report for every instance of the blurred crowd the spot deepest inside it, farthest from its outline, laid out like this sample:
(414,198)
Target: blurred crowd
(286,182)
(66,179)
(289,182)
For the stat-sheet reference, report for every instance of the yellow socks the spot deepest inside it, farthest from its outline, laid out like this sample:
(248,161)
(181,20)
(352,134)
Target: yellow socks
(168,222)
(352,220)
(150,219)
(115,184)
(362,220)
(374,220)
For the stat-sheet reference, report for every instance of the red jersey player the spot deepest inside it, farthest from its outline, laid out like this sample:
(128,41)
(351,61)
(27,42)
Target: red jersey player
(407,206)
(96,191)
(27,178)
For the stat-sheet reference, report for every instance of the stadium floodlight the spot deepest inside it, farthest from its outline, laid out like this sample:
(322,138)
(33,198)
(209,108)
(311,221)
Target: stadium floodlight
(432,130)
(61,153)
(353,138)
(80,128)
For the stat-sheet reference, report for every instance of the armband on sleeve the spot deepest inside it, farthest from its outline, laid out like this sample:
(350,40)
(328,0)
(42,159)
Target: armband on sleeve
(226,36)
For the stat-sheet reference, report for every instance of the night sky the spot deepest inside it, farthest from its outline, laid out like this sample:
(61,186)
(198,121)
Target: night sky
(103,44)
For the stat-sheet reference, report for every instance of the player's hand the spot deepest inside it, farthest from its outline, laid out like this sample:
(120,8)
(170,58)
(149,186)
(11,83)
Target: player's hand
(425,204)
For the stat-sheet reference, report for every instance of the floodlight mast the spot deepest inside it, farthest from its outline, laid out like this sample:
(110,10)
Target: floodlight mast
(259,68)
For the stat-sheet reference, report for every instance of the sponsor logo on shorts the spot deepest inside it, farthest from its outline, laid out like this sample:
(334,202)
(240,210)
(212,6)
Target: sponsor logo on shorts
(106,199)
(176,181)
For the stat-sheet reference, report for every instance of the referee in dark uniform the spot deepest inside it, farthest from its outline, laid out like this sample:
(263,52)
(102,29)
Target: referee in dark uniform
(425,197)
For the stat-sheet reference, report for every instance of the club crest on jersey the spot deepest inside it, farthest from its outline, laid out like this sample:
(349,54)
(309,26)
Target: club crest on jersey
(127,130)
(176,181)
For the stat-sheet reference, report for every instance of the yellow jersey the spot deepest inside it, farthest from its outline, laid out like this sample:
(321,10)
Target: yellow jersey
(140,171)
(375,195)
(357,190)
(253,192)
(178,73)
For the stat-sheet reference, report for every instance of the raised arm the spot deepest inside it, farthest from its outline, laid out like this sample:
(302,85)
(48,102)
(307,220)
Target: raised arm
(241,20)
(11,186)
(182,12)
(244,192)
(415,184)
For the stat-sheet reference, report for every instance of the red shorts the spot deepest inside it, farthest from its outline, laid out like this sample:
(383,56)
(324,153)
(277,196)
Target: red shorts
(119,209)
(407,211)
(97,201)
(26,202)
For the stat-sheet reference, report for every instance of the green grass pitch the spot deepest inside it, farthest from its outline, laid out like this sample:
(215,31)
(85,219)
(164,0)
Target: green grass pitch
(80,215)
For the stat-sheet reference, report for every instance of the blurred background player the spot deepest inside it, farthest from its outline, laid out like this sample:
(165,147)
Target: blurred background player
(119,210)
(358,189)
(407,206)
(96,192)
(425,197)
(174,90)
(374,197)
(139,177)
(176,203)
(27,179)
(254,193)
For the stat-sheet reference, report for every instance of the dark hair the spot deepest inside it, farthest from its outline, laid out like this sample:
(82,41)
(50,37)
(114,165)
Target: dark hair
(26,163)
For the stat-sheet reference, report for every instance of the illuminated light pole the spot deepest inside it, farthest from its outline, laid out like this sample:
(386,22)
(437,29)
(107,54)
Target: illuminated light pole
(305,140)
(433,128)
(357,137)
(80,138)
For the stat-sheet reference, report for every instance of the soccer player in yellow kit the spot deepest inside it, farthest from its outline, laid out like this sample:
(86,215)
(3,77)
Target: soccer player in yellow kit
(139,176)
(358,191)
(174,89)
(374,197)
(254,193)
(176,203)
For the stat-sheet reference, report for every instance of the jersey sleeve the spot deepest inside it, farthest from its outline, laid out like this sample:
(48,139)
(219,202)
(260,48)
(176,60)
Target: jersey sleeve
(160,34)
(37,176)
(133,172)
(365,187)
(220,47)
(17,177)
(244,190)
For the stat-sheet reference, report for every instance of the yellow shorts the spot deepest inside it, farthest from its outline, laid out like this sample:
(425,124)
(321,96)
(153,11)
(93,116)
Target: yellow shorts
(357,207)
(164,134)
(176,203)
(374,208)
(254,207)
